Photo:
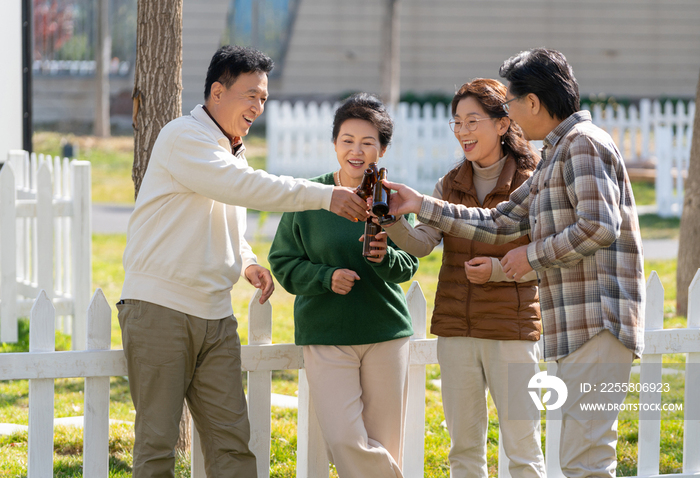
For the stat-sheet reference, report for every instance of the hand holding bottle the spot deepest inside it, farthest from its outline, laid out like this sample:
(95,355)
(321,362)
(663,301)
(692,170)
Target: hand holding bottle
(405,200)
(378,247)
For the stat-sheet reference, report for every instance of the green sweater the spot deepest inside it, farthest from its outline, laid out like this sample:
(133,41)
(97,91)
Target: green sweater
(308,247)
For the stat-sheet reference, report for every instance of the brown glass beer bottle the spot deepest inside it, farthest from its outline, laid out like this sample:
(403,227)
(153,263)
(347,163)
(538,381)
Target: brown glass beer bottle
(380,199)
(365,190)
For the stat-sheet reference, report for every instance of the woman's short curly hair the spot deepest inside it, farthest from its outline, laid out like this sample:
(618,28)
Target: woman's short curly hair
(366,107)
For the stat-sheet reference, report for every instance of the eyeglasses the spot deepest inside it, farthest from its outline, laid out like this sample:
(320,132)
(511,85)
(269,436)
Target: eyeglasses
(471,125)
(505,105)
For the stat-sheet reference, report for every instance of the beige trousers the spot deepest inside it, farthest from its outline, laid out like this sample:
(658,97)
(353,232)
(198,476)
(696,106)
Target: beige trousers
(588,447)
(359,393)
(469,369)
(172,356)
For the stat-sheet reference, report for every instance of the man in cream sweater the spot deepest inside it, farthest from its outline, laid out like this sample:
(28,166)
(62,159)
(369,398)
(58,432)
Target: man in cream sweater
(185,251)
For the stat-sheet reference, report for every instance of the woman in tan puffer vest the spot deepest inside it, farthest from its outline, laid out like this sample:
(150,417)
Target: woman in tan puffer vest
(483,320)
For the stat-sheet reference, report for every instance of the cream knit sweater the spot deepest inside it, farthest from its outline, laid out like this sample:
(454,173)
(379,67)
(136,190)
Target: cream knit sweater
(185,247)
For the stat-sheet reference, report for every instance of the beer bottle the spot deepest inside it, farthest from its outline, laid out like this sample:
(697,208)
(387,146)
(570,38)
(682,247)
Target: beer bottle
(365,190)
(380,200)
(371,230)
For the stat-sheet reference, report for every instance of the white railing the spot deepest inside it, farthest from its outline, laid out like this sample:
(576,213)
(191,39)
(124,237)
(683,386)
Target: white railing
(424,149)
(45,241)
(654,130)
(41,365)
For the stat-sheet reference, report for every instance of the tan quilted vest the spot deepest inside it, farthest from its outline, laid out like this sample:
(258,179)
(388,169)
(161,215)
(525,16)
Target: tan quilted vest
(494,310)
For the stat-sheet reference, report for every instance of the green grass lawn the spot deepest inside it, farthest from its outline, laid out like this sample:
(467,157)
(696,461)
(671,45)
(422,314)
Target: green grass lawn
(644,193)
(111,167)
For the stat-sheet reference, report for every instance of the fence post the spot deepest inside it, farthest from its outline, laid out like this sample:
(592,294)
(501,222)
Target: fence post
(41,391)
(633,115)
(44,228)
(260,385)
(664,181)
(32,231)
(66,253)
(20,168)
(58,231)
(649,421)
(82,249)
(8,259)
(645,126)
(553,434)
(272,135)
(96,409)
(20,164)
(197,457)
(691,404)
(414,441)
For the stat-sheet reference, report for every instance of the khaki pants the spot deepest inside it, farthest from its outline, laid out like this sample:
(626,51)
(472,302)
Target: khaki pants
(359,393)
(172,356)
(588,447)
(469,369)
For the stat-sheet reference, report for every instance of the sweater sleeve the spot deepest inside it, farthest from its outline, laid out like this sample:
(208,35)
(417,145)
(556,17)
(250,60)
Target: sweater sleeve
(248,257)
(398,265)
(207,168)
(292,267)
(419,240)
(506,222)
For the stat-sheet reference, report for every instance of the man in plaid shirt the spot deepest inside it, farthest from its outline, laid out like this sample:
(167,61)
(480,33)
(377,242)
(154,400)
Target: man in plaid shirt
(586,248)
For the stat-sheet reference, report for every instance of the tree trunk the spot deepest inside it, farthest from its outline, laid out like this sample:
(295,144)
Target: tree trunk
(184,441)
(103,55)
(391,54)
(689,245)
(157,99)
(157,92)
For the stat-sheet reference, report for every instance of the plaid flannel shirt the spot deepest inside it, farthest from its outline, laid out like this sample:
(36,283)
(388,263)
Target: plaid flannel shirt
(586,248)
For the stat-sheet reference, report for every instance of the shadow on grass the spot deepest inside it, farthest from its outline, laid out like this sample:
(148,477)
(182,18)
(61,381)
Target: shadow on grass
(116,464)
(74,468)
(119,389)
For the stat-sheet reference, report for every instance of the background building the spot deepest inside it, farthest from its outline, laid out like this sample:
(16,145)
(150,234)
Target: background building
(325,49)
(623,48)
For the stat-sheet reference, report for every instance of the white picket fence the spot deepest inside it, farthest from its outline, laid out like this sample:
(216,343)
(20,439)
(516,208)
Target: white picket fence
(42,365)
(423,147)
(653,130)
(45,242)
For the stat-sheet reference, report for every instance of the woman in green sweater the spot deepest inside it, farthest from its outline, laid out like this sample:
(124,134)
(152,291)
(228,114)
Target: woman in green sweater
(350,314)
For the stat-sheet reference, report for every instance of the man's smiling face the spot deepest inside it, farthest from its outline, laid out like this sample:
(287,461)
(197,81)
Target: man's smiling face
(235,108)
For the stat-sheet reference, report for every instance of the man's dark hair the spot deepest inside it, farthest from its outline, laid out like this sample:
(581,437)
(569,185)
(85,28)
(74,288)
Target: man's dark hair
(365,107)
(547,74)
(230,61)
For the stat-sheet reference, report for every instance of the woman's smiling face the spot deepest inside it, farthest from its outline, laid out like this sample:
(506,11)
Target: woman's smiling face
(483,145)
(356,146)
